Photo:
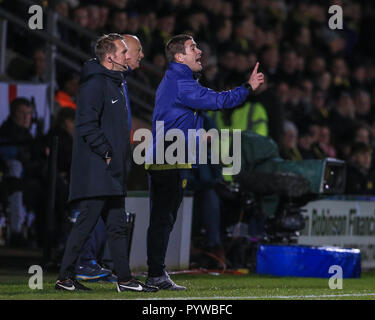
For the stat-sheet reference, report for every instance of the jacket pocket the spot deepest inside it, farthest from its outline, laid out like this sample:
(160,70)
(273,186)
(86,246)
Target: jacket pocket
(114,169)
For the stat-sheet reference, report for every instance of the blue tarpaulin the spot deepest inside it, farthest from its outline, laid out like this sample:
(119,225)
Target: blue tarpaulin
(307,261)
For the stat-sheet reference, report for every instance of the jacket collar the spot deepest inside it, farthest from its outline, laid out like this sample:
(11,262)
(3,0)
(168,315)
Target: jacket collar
(93,66)
(180,68)
(127,72)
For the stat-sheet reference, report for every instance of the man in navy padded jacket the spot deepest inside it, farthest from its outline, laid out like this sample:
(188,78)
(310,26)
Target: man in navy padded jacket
(180,99)
(101,151)
(89,264)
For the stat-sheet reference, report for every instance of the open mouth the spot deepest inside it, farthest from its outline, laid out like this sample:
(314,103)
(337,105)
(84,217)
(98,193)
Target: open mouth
(198,60)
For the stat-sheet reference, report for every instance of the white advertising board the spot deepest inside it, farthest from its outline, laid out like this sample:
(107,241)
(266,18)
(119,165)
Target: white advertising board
(342,223)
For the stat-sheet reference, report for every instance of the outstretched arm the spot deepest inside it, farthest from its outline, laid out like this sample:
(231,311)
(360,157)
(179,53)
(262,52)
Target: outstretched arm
(193,95)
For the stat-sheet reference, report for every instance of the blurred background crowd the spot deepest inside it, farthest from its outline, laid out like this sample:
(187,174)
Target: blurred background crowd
(317,101)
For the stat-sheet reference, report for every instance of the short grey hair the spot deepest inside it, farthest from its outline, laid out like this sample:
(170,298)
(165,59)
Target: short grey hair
(290,126)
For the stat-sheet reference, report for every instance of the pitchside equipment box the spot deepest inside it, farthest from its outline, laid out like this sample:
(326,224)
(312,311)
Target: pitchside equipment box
(307,261)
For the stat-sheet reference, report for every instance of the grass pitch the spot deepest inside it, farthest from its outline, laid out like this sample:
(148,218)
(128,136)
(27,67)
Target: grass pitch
(14,286)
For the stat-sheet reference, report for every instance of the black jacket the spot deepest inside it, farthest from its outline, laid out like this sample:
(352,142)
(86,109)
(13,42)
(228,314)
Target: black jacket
(19,137)
(18,143)
(359,181)
(101,129)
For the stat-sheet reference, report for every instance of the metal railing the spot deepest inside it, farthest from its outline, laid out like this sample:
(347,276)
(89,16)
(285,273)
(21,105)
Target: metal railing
(3,43)
(142,102)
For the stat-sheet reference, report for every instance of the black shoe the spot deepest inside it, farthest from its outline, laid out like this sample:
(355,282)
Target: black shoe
(70,285)
(135,285)
(164,282)
(92,271)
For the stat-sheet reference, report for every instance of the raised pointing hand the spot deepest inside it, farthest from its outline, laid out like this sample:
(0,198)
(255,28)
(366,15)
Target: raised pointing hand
(256,79)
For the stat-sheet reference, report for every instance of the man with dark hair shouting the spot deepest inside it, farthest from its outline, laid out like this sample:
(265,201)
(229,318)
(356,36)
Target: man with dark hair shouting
(101,151)
(180,99)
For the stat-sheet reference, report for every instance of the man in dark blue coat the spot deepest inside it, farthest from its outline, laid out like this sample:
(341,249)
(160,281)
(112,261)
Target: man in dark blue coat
(101,151)
(179,103)
(88,265)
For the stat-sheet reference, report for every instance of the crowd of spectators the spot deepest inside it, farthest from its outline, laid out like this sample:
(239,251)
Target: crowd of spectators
(319,92)
(321,79)
(25,174)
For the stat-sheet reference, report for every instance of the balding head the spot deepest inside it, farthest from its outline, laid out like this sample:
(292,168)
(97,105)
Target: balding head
(135,51)
(131,38)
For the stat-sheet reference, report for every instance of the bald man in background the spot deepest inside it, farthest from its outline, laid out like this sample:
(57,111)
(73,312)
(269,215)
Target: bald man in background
(88,267)
(135,52)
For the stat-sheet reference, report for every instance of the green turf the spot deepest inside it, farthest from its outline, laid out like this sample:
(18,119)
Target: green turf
(14,285)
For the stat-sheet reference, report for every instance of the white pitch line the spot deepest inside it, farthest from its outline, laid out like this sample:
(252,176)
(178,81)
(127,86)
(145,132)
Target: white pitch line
(267,297)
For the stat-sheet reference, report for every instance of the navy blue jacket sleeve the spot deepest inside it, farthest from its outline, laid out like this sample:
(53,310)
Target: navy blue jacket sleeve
(89,107)
(193,95)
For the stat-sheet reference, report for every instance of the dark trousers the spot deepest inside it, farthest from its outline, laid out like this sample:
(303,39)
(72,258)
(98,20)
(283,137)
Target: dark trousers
(112,210)
(95,246)
(206,214)
(166,193)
